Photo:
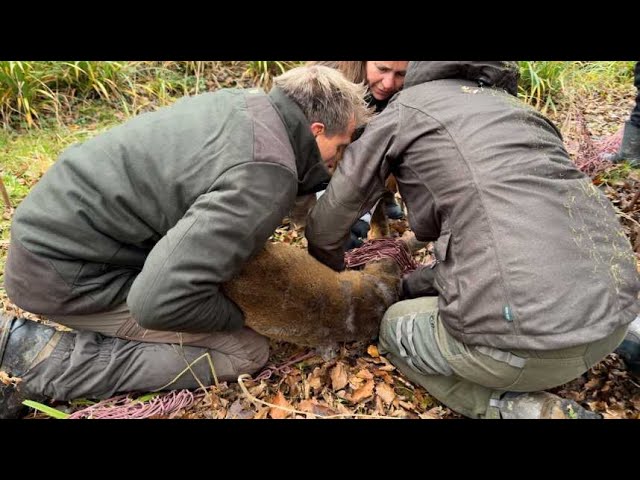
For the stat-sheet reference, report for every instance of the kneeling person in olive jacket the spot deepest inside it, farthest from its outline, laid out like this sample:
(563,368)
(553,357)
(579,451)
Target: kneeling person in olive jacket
(128,236)
(535,279)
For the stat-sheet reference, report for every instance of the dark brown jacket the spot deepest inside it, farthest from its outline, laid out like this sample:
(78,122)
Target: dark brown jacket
(531,254)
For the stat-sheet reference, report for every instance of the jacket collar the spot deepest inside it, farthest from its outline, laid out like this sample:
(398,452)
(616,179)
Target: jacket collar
(491,74)
(313,175)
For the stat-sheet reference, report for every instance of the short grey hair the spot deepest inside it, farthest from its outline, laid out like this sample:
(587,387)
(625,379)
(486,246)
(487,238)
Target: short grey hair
(326,96)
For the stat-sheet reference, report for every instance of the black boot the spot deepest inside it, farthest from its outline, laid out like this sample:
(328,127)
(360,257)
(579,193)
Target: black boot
(21,342)
(629,349)
(535,405)
(630,148)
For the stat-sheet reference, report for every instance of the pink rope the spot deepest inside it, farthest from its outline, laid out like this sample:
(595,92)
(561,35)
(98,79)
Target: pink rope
(125,407)
(282,369)
(380,249)
(590,157)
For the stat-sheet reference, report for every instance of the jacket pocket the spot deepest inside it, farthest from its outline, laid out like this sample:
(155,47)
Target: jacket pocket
(441,251)
(445,290)
(441,247)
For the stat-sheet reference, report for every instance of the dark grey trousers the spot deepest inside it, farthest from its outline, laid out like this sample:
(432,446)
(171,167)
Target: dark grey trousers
(110,354)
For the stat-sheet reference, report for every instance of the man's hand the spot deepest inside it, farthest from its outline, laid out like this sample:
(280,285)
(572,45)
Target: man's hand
(360,229)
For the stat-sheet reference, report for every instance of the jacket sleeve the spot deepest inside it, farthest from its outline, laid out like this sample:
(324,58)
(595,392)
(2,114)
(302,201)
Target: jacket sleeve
(355,187)
(178,288)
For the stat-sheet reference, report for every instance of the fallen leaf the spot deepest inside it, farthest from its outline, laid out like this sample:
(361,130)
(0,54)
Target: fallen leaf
(428,416)
(386,378)
(306,389)
(306,406)
(372,350)
(279,413)
(387,368)
(258,389)
(342,394)
(314,407)
(355,382)
(262,413)
(238,411)
(339,378)
(342,409)
(407,405)
(400,413)
(613,413)
(363,392)
(379,410)
(315,383)
(385,392)
(592,384)
(294,385)
(364,373)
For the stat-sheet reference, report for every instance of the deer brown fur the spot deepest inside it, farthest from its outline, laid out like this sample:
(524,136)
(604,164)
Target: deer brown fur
(286,294)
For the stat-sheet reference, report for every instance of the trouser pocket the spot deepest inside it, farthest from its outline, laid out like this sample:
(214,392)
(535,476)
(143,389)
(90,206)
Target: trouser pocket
(412,337)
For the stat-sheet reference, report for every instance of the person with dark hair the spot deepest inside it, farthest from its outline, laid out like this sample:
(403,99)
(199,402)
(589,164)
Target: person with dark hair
(130,235)
(535,280)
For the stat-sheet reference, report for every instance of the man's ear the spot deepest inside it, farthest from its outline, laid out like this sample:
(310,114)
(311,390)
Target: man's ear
(317,128)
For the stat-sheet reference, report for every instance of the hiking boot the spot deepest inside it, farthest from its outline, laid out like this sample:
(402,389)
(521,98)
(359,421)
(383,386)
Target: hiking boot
(22,346)
(629,349)
(534,405)
(630,148)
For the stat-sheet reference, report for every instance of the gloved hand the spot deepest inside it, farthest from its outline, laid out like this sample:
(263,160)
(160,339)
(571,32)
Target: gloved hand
(352,242)
(393,211)
(360,229)
(419,283)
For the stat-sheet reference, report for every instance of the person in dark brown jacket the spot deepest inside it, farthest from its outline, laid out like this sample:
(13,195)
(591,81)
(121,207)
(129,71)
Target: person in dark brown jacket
(535,279)
(129,237)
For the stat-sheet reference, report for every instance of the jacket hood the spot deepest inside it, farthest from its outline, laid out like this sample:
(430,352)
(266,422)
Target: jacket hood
(493,74)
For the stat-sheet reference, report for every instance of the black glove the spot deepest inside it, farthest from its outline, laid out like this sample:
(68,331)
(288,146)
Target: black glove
(419,283)
(352,242)
(360,229)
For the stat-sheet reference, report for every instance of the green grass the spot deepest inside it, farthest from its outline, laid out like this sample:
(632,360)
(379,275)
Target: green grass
(264,72)
(26,155)
(545,84)
(616,174)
